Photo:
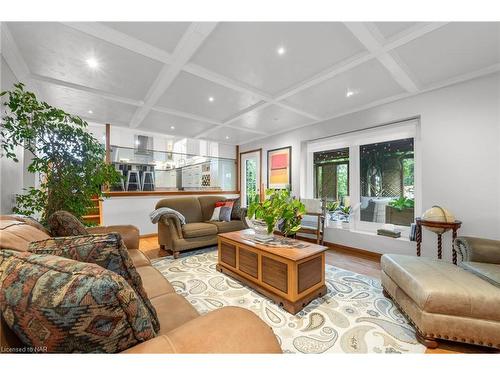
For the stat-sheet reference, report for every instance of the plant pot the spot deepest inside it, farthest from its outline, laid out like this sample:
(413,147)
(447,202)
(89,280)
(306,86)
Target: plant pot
(399,217)
(260,229)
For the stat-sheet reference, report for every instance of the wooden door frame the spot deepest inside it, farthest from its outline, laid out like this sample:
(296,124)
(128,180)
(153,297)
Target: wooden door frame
(260,168)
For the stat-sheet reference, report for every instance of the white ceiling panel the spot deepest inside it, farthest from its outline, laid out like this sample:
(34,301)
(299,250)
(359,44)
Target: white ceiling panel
(192,94)
(163,35)
(230,136)
(183,127)
(271,119)
(455,49)
(357,87)
(57,51)
(238,69)
(248,51)
(86,105)
(391,29)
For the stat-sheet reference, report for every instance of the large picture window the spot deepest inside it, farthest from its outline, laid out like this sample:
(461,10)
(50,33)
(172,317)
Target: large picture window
(373,173)
(331,170)
(387,182)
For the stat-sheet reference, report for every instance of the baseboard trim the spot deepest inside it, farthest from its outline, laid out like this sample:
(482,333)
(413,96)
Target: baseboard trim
(148,235)
(346,249)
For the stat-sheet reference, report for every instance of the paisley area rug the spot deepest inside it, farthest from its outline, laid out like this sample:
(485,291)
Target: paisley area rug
(353,317)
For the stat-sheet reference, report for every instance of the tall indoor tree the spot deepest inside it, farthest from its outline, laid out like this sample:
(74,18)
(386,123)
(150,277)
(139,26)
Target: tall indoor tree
(69,161)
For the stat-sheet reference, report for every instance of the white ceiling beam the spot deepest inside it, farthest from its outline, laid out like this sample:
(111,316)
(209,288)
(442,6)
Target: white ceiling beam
(110,35)
(15,60)
(374,46)
(88,90)
(192,39)
(230,83)
(416,32)
(190,116)
(201,72)
(208,131)
(244,112)
(495,68)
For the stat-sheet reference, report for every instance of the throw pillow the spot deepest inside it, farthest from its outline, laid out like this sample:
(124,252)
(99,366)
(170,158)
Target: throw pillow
(69,306)
(63,224)
(236,212)
(222,211)
(105,250)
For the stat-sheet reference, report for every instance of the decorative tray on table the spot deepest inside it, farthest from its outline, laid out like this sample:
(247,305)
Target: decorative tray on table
(276,241)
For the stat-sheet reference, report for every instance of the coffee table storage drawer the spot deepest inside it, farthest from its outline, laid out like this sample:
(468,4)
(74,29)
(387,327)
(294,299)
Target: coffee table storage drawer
(228,254)
(275,274)
(248,262)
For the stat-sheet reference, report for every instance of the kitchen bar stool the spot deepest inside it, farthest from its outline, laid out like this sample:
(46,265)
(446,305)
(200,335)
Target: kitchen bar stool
(148,181)
(134,179)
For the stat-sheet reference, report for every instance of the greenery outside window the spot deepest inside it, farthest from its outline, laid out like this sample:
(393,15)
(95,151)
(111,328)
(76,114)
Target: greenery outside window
(387,182)
(331,169)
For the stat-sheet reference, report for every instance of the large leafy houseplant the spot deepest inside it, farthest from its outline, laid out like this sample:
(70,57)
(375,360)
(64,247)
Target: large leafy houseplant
(279,208)
(69,161)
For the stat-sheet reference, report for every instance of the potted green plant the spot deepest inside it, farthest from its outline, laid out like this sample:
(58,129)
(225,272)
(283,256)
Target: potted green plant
(332,206)
(400,211)
(278,210)
(68,160)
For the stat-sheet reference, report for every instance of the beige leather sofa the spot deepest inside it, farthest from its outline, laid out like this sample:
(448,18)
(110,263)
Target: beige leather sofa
(448,302)
(183,330)
(198,230)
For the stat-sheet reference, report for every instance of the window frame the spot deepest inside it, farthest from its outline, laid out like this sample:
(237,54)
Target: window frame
(336,163)
(353,140)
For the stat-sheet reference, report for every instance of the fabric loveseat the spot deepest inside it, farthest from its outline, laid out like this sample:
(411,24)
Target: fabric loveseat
(198,230)
(448,302)
(182,329)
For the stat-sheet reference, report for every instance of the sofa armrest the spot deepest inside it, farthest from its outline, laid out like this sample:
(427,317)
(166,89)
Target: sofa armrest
(473,249)
(225,330)
(129,233)
(174,224)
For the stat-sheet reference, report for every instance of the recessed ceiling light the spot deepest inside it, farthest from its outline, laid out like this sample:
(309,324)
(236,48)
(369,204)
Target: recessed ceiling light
(90,111)
(350,93)
(281,50)
(92,62)
(172,127)
(227,137)
(211,99)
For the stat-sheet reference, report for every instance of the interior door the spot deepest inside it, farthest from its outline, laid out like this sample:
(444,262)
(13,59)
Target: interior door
(250,175)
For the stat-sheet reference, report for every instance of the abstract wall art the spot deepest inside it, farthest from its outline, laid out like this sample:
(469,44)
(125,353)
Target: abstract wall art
(279,164)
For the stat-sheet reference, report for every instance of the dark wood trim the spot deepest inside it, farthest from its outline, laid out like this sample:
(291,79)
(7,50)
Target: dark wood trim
(346,249)
(167,193)
(238,166)
(260,167)
(108,143)
(289,167)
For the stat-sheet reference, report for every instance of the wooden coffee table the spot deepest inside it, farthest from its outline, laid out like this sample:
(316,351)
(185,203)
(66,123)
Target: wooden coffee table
(292,277)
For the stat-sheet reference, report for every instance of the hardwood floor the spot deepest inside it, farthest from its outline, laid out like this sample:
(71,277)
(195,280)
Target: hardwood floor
(360,263)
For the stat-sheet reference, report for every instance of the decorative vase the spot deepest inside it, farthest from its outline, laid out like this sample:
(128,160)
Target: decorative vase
(260,228)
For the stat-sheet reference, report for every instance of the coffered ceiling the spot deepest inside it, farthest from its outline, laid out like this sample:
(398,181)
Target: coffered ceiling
(234,82)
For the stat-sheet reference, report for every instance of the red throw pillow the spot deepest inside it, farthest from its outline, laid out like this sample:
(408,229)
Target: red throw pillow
(222,211)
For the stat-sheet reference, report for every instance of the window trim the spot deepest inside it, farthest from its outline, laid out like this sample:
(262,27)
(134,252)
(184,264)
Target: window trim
(353,140)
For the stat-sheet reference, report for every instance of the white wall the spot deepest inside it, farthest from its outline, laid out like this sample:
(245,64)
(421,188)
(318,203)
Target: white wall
(11,173)
(133,210)
(460,138)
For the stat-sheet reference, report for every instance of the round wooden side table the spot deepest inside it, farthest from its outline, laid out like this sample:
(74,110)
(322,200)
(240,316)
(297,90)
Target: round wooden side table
(436,224)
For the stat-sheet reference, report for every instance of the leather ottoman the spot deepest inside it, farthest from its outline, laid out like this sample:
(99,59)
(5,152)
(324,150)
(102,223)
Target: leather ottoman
(443,301)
